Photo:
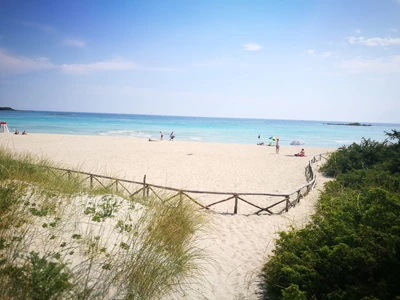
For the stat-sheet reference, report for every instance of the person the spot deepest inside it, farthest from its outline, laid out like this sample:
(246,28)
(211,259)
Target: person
(260,144)
(277,146)
(161,135)
(171,136)
(301,153)
(24,133)
(259,136)
(16,131)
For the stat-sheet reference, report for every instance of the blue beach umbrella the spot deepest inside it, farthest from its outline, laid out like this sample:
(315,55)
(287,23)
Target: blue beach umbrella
(297,143)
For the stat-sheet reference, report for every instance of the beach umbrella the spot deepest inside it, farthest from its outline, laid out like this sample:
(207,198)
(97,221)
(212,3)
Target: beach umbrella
(297,143)
(274,138)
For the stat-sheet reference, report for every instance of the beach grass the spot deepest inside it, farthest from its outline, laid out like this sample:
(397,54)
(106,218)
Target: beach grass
(59,239)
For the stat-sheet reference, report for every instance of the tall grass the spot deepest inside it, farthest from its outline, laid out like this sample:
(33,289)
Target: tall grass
(37,171)
(60,240)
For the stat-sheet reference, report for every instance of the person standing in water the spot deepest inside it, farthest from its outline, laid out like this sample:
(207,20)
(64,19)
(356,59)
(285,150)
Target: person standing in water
(161,135)
(171,136)
(277,146)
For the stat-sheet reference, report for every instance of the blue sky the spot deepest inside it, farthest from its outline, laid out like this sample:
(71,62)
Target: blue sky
(309,60)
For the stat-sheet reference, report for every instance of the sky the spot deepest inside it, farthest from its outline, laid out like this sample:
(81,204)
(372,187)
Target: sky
(335,60)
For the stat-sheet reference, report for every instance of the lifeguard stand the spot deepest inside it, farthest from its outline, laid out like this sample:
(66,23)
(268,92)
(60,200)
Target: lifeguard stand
(3,127)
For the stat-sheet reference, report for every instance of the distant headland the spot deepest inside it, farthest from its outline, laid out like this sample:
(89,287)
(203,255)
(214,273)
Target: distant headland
(6,108)
(349,124)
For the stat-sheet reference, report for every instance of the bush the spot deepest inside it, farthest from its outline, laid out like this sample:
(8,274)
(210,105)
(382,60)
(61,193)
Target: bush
(351,250)
(37,278)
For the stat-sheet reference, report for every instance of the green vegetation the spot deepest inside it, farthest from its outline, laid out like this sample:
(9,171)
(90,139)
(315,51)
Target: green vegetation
(61,240)
(351,250)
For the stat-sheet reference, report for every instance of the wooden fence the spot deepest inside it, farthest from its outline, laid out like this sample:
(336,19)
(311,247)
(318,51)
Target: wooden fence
(251,203)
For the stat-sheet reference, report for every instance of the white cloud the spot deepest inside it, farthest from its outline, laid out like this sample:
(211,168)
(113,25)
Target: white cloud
(326,54)
(21,64)
(212,63)
(376,41)
(358,31)
(389,64)
(252,47)
(74,43)
(41,27)
(156,69)
(85,69)
(311,51)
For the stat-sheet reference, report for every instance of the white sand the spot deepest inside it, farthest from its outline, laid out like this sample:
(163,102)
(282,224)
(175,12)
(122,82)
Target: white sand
(240,244)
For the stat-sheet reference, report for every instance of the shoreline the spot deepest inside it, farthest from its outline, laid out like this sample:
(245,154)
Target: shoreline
(175,164)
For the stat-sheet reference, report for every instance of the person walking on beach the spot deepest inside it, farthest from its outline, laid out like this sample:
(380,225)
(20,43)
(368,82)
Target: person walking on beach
(161,135)
(277,146)
(171,136)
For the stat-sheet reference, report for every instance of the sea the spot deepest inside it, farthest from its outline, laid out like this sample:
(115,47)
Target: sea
(196,129)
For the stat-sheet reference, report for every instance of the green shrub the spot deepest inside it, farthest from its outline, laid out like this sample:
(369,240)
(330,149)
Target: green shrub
(351,249)
(37,278)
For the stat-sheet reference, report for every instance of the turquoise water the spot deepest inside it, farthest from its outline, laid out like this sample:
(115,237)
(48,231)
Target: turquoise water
(199,129)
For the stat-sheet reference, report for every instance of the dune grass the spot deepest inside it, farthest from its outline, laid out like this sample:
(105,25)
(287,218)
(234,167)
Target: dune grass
(59,239)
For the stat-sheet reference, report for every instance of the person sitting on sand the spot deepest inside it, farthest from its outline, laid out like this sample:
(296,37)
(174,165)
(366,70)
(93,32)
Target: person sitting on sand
(260,144)
(301,153)
(16,131)
(24,133)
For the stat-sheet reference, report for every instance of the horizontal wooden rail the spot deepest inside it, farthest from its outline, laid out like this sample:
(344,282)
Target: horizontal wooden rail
(233,196)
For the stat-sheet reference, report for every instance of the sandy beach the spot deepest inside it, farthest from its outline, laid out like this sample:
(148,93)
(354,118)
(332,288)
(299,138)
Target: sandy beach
(240,244)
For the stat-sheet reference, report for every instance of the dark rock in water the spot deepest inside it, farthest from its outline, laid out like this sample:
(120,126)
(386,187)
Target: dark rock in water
(6,108)
(349,124)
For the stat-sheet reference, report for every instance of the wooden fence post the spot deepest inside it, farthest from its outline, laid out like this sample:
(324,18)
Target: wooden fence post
(144,186)
(236,205)
(116,186)
(91,182)
(287,203)
(298,196)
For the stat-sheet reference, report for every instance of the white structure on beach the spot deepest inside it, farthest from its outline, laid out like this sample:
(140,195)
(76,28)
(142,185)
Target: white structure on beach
(3,127)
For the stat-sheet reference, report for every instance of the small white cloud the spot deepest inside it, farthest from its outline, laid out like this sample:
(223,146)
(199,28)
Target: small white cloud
(21,64)
(358,31)
(389,64)
(38,26)
(376,41)
(311,51)
(326,54)
(74,43)
(86,69)
(212,63)
(252,47)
